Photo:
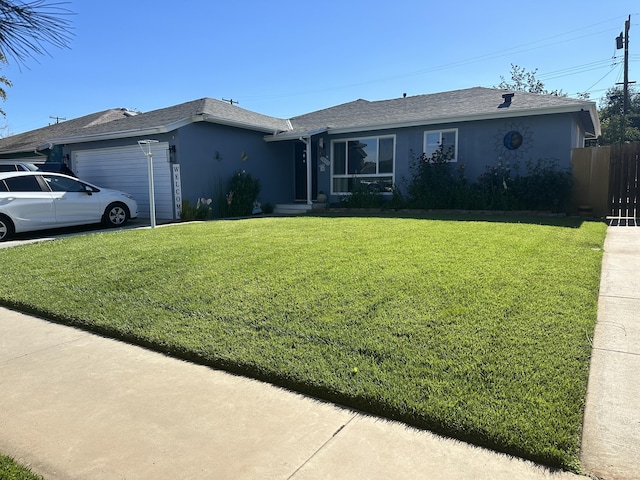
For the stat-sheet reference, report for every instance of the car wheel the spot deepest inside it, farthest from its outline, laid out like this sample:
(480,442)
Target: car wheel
(116,215)
(6,228)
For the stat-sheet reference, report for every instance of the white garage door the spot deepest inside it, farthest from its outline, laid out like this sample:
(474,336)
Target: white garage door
(125,168)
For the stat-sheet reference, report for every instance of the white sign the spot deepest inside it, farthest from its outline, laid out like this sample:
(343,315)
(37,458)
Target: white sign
(177,188)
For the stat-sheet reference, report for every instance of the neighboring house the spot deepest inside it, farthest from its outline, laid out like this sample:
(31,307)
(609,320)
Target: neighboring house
(202,143)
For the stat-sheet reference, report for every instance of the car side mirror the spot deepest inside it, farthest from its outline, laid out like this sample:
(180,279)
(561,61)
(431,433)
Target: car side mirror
(88,190)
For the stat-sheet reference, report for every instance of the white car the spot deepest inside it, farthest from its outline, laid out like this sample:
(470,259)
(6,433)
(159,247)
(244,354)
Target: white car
(32,201)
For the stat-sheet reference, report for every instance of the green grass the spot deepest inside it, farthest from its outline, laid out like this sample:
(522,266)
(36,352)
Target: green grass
(474,329)
(10,470)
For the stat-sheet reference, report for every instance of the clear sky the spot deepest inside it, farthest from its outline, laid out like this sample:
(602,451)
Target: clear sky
(290,57)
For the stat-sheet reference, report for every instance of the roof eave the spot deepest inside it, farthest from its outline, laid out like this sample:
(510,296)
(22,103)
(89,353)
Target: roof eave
(157,130)
(280,137)
(468,118)
(143,132)
(232,123)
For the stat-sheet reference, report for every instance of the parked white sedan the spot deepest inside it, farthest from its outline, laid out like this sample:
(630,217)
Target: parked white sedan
(32,201)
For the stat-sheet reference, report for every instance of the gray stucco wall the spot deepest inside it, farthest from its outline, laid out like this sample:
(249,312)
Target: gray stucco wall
(210,154)
(480,144)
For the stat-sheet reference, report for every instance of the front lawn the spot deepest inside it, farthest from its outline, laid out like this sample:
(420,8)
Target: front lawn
(475,329)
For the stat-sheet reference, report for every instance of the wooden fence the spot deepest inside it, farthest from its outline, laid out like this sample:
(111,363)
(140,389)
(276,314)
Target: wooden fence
(606,181)
(624,172)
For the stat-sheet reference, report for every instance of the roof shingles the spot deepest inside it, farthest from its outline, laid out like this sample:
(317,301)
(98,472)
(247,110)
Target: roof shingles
(430,108)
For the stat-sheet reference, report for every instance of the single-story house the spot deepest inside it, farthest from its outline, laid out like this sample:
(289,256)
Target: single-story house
(202,143)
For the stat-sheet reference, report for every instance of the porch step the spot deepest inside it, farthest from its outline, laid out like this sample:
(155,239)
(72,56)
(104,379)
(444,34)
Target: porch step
(294,208)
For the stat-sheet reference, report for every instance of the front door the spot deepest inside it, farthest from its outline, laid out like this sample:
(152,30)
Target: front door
(301,172)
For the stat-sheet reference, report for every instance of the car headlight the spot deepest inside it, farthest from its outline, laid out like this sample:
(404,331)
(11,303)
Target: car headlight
(128,195)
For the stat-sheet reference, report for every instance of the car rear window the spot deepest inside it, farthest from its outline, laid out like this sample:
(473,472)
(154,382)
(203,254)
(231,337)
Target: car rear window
(23,184)
(7,168)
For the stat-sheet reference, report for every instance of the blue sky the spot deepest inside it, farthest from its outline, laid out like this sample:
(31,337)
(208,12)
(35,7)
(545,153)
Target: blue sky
(291,57)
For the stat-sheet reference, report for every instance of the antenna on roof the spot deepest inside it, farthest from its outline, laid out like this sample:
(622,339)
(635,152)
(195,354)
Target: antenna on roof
(231,101)
(57,119)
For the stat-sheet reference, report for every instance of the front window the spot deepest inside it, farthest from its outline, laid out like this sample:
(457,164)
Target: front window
(441,142)
(367,162)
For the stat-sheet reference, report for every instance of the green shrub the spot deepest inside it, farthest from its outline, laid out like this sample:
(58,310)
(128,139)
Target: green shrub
(363,195)
(243,191)
(435,184)
(545,187)
(200,211)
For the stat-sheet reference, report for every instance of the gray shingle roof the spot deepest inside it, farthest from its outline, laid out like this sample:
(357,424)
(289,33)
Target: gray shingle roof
(115,121)
(453,106)
(30,141)
(208,107)
(432,108)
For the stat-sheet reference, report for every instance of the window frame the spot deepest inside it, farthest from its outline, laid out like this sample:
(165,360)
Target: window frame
(441,131)
(348,175)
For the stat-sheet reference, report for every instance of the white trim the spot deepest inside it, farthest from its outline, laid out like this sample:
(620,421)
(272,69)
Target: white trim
(293,135)
(149,131)
(504,114)
(441,131)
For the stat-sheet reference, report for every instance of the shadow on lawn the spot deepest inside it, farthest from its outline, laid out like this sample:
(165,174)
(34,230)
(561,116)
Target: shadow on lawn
(532,218)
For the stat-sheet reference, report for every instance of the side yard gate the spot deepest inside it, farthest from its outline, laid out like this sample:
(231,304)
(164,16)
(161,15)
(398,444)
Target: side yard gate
(624,186)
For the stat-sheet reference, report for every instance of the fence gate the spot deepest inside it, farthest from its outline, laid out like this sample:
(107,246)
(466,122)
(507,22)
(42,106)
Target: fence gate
(624,176)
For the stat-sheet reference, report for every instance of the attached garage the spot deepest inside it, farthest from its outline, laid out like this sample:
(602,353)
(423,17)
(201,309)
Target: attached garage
(126,169)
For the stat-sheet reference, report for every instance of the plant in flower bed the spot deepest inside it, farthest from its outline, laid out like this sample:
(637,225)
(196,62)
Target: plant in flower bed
(473,329)
(200,211)
(437,184)
(243,192)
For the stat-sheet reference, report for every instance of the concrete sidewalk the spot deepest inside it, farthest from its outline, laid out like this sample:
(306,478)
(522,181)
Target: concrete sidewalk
(74,405)
(611,433)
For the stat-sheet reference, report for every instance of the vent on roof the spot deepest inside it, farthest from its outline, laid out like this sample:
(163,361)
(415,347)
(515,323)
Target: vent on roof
(128,113)
(507,97)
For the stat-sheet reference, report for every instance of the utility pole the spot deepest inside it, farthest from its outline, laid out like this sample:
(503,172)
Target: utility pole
(627,25)
(622,41)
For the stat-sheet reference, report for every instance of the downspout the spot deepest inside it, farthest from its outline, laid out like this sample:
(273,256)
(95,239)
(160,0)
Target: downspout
(307,142)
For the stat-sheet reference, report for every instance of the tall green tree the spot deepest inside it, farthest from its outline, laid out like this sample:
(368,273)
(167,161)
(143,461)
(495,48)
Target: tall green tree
(525,81)
(26,27)
(617,127)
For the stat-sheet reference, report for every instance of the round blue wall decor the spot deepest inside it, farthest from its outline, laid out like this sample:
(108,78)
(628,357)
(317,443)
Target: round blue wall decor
(512,140)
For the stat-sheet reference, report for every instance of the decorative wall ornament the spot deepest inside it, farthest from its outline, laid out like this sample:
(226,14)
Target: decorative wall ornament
(513,141)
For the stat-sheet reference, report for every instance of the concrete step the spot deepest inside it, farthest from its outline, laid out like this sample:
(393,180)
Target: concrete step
(292,208)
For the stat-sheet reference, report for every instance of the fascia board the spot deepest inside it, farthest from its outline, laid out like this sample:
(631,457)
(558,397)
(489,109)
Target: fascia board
(461,119)
(293,135)
(230,123)
(151,130)
(106,136)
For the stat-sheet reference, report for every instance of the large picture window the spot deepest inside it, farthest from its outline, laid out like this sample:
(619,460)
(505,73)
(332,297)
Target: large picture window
(363,162)
(447,140)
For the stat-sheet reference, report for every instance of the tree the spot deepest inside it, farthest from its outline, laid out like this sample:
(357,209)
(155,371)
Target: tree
(25,29)
(523,81)
(3,81)
(617,127)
